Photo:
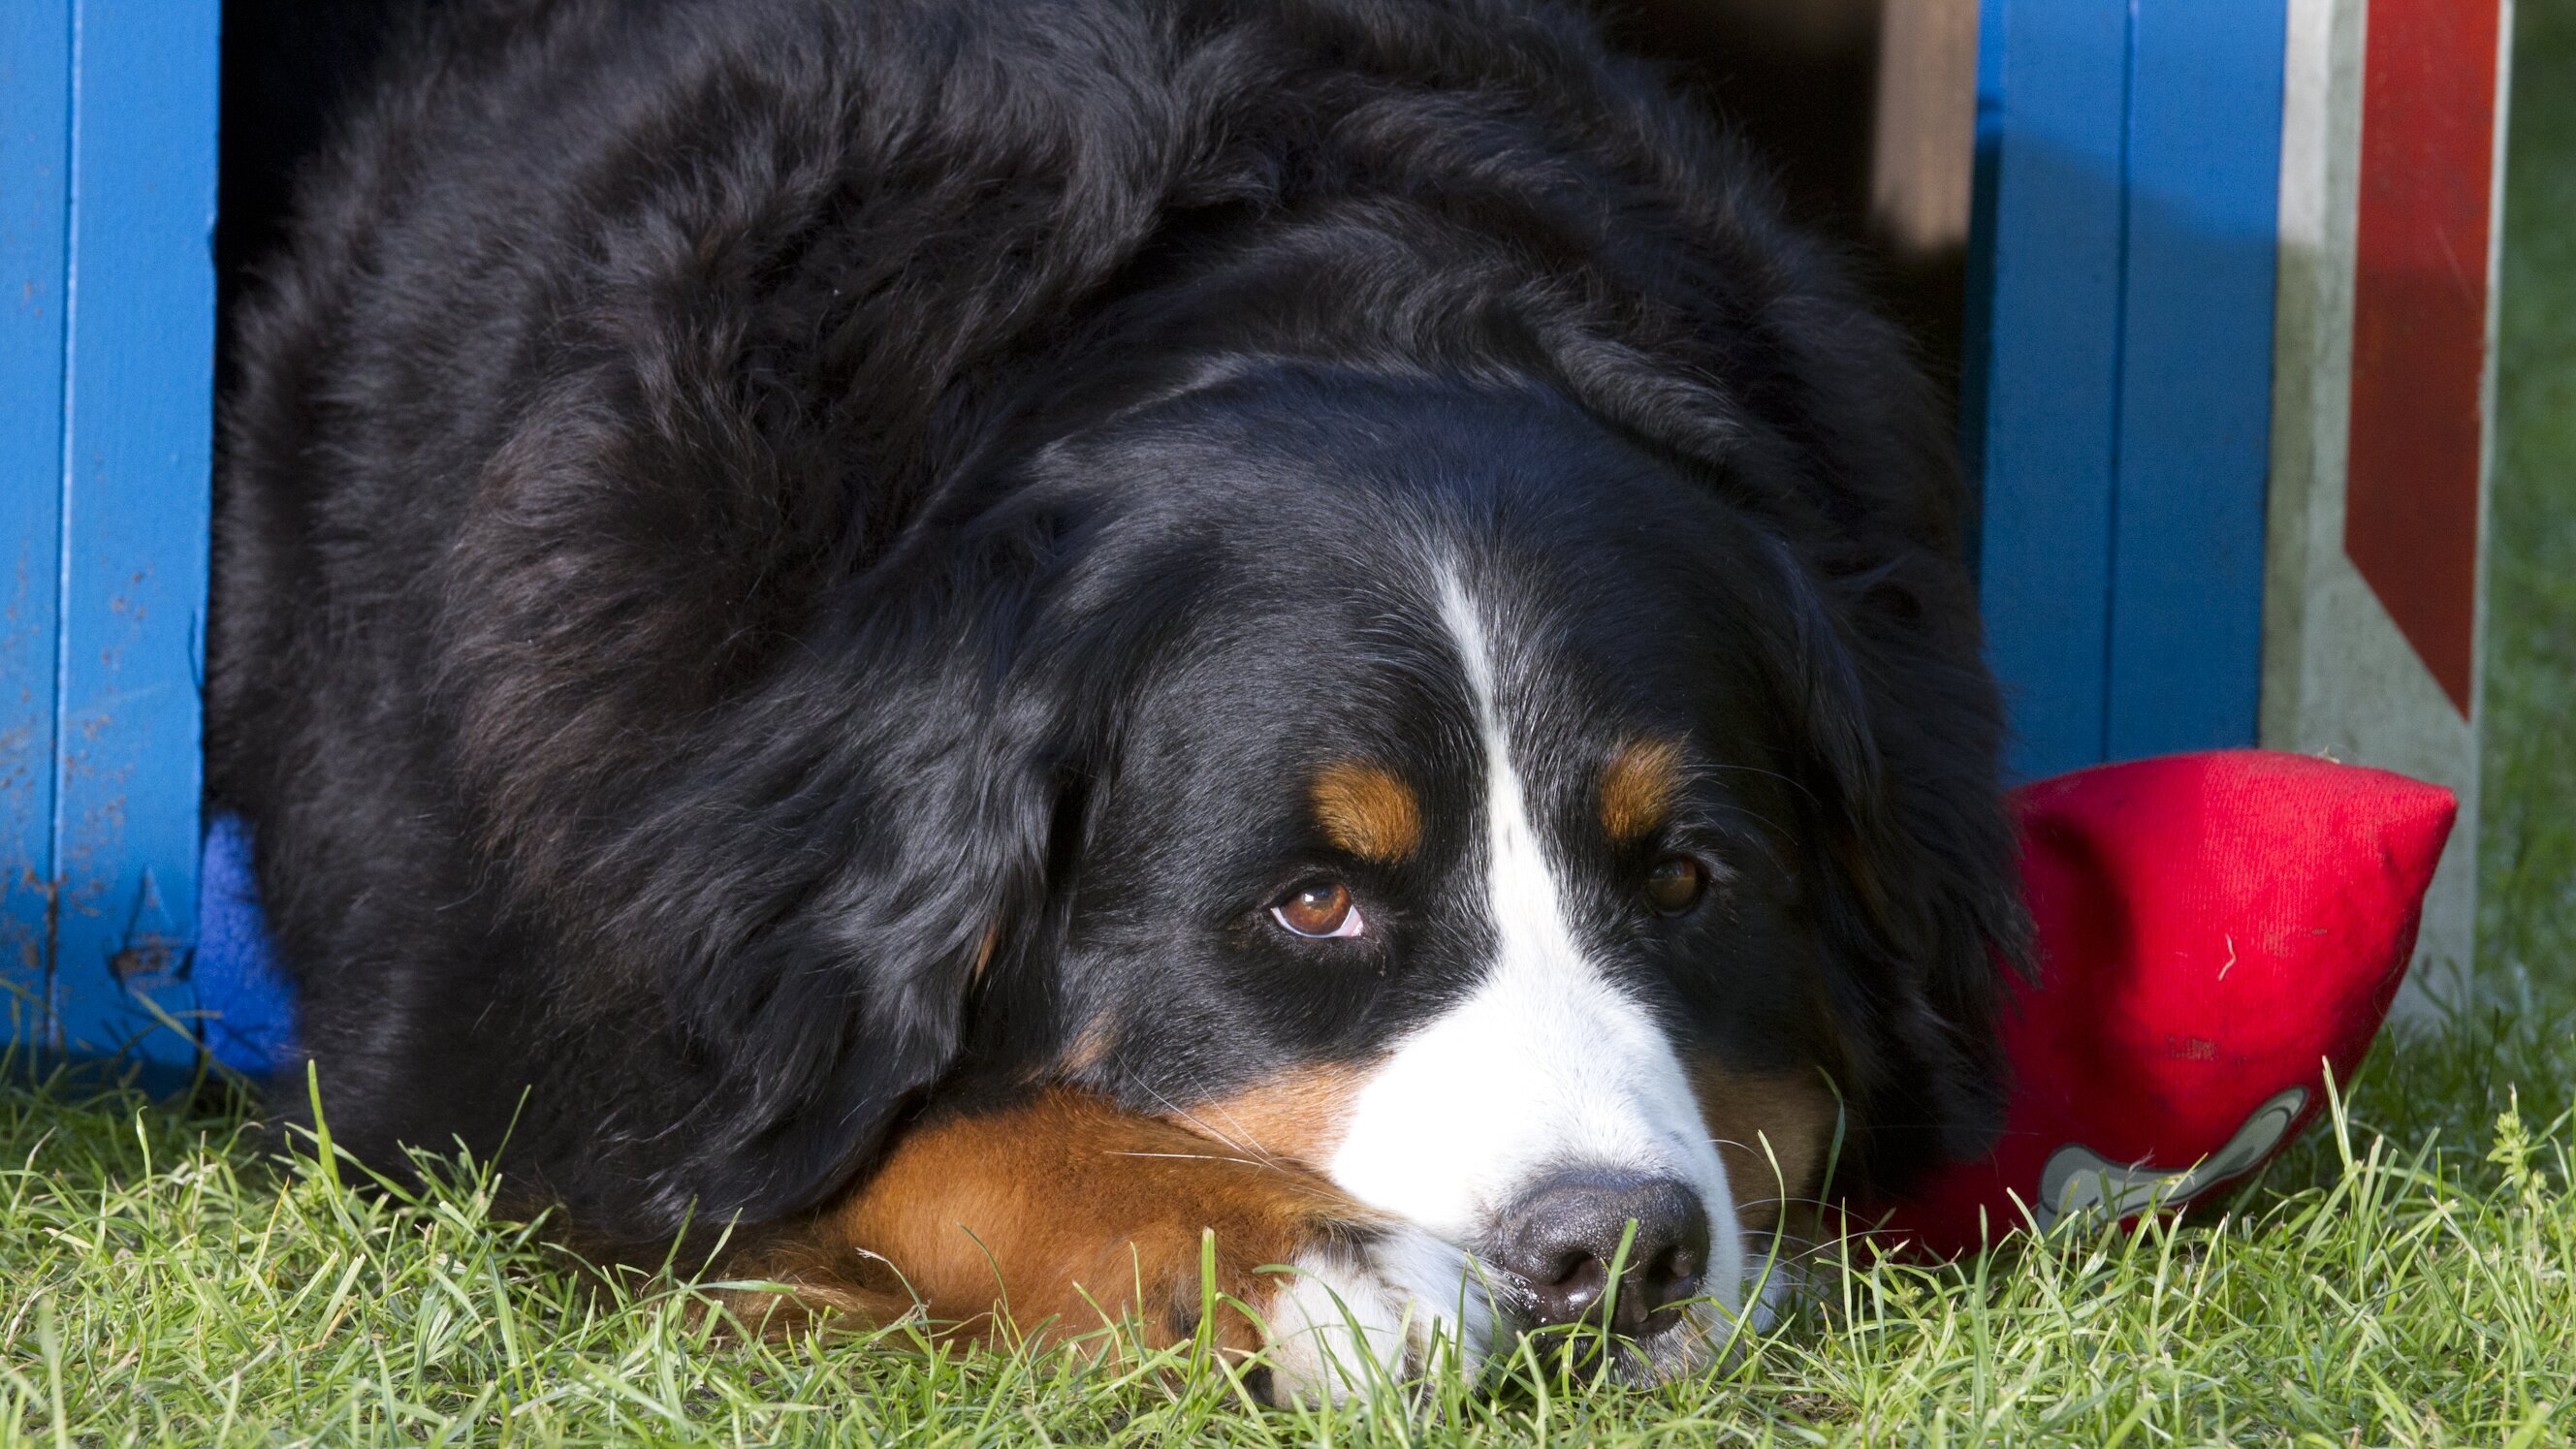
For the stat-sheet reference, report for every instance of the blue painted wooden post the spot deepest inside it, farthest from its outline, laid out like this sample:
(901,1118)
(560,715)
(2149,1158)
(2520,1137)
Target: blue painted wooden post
(35,189)
(2118,382)
(108,170)
(2042,371)
(2195,442)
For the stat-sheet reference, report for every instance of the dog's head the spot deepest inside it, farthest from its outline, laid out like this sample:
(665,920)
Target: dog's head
(1460,838)
(1417,784)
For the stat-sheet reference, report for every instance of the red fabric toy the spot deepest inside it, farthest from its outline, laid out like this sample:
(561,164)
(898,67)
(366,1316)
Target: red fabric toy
(2214,931)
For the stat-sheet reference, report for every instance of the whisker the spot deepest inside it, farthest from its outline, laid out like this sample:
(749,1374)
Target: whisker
(1247,1147)
(1192,1118)
(1190,1157)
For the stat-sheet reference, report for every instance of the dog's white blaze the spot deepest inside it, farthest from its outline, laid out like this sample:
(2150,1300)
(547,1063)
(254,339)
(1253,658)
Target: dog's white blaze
(1545,1066)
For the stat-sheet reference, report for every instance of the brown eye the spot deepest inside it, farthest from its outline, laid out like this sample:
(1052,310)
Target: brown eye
(1675,884)
(1320,911)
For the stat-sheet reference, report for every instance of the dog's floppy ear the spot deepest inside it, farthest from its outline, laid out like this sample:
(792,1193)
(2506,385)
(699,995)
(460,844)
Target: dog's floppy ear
(851,876)
(851,871)
(757,876)
(1913,879)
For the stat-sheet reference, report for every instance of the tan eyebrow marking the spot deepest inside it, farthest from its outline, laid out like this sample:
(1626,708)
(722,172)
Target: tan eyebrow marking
(1091,1046)
(1367,811)
(1638,787)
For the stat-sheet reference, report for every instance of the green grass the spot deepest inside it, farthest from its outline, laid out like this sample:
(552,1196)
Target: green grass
(2404,1277)
(2528,843)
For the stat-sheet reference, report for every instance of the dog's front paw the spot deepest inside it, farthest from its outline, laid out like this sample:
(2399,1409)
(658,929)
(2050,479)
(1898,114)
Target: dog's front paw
(1363,1317)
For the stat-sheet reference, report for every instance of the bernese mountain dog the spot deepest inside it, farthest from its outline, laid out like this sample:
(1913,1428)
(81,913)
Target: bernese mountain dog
(971,639)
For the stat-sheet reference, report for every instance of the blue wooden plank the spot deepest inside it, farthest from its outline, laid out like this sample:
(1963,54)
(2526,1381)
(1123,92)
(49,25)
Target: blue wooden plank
(137,453)
(2186,645)
(35,188)
(2053,77)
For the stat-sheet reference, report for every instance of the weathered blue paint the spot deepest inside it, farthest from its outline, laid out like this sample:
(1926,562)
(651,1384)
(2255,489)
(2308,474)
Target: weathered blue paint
(2185,663)
(113,894)
(2118,380)
(35,197)
(2044,375)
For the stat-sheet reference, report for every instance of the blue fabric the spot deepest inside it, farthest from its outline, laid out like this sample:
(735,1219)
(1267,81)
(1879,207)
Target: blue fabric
(248,1005)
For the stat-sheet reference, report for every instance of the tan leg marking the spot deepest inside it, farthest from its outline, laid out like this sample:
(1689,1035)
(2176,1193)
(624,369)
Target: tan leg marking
(1066,1211)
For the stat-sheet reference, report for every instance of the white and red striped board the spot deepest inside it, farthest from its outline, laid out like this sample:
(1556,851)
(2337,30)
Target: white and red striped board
(2383,407)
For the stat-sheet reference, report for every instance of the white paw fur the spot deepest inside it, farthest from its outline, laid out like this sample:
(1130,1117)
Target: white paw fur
(1356,1322)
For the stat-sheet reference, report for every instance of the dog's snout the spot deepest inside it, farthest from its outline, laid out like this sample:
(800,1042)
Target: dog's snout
(1561,1238)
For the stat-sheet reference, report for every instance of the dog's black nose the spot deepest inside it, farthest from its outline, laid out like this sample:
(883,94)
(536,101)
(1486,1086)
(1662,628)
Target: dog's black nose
(1560,1238)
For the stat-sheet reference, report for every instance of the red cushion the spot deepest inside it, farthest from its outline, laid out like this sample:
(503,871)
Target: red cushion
(2215,931)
